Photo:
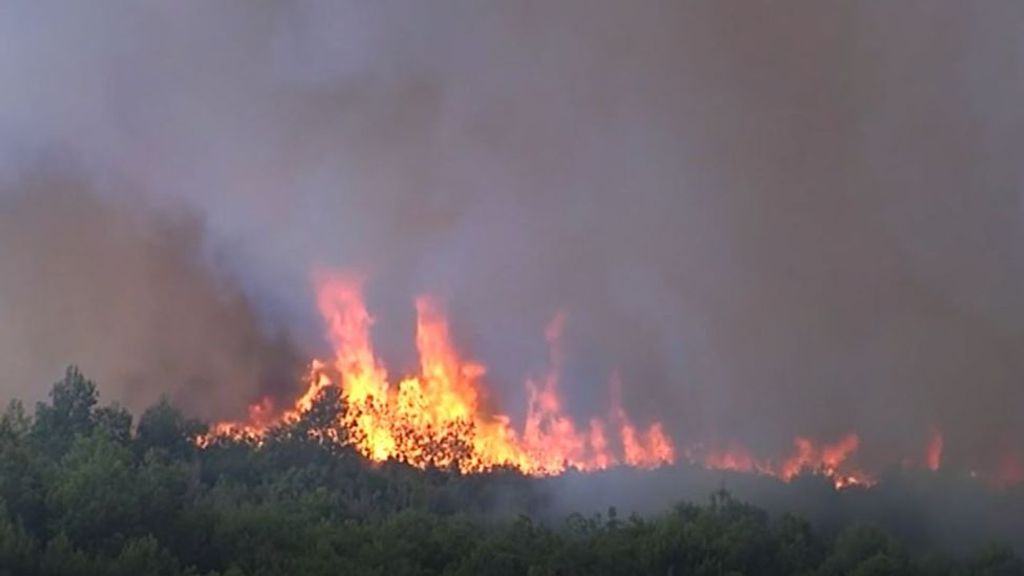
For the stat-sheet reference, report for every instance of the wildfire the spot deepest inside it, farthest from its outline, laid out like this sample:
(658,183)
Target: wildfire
(830,460)
(934,455)
(441,417)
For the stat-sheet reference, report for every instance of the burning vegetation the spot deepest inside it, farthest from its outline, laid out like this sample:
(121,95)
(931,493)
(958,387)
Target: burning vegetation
(442,417)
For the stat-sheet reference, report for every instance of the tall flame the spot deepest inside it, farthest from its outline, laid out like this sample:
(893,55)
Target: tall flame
(442,418)
(438,417)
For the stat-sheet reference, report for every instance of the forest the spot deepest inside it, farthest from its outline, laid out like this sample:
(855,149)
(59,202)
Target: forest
(87,489)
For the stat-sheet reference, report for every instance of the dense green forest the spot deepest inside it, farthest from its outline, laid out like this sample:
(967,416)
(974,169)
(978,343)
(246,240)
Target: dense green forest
(86,490)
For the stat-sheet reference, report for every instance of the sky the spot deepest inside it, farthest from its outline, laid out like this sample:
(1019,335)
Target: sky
(770,218)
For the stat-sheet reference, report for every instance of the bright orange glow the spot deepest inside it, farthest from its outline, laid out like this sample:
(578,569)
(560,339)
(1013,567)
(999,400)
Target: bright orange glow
(934,456)
(829,460)
(442,417)
(735,458)
(439,417)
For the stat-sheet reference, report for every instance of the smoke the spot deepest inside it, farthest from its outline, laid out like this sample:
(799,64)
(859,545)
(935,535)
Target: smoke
(925,511)
(771,219)
(125,293)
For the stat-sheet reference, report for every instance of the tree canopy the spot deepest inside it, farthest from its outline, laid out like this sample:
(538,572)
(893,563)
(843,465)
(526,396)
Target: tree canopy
(83,491)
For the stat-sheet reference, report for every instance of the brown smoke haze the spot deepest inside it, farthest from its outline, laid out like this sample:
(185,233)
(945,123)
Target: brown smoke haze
(124,293)
(771,218)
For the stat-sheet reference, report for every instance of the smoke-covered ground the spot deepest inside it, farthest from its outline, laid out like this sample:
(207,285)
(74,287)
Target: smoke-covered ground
(772,219)
(928,511)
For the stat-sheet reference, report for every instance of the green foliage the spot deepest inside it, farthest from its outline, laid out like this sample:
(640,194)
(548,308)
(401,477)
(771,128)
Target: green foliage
(94,495)
(997,560)
(163,427)
(144,556)
(83,493)
(115,422)
(69,414)
(17,547)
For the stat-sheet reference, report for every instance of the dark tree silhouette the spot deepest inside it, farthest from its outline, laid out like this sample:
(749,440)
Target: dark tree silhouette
(83,493)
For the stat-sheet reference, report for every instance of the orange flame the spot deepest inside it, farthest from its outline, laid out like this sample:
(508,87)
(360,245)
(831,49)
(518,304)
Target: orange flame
(439,417)
(934,456)
(829,460)
(442,418)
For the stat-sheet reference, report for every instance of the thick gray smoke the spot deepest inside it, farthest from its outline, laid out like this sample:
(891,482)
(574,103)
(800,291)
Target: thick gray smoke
(125,293)
(771,218)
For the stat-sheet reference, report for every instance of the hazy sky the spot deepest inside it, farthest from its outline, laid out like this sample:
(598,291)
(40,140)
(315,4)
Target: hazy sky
(772,218)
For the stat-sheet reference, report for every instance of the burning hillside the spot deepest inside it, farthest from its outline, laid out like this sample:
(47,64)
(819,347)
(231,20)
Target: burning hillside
(443,416)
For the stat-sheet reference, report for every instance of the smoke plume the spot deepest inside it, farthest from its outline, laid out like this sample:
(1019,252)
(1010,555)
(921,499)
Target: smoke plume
(125,293)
